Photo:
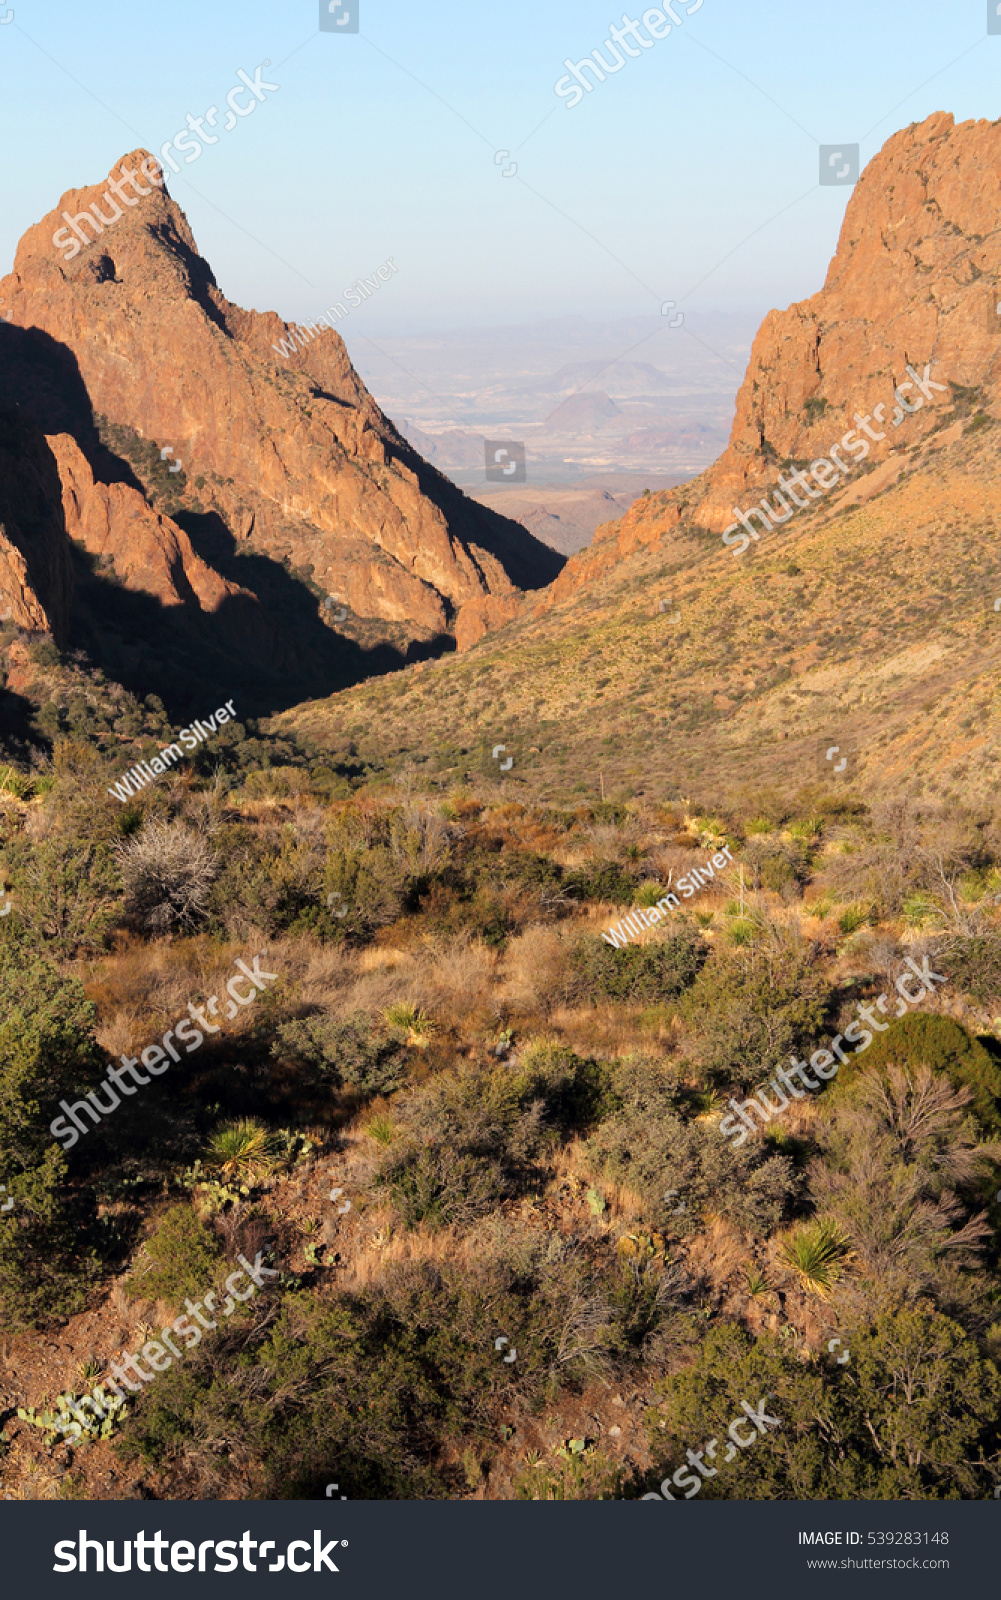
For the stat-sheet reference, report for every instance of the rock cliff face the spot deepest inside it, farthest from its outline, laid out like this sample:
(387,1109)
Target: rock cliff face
(35,573)
(113,318)
(915,281)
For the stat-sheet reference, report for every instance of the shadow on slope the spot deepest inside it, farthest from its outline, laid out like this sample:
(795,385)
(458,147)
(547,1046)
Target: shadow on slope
(270,648)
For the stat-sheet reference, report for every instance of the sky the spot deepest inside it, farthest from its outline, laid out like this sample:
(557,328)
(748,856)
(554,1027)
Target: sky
(433,137)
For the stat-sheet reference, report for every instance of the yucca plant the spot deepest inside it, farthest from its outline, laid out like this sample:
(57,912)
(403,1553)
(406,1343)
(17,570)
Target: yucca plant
(808,828)
(381,1127)
(851,919)
(820,909)
(708,1103)
(242,1150)
(578,1471)
(817,1255)
(920,910)
(412,1020)
(757,1283)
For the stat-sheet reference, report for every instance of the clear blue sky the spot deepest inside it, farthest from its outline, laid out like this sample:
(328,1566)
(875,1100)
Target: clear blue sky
(669,164)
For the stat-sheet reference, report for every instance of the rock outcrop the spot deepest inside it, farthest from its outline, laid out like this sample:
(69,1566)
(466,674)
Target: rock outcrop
(915,281)
(286,458)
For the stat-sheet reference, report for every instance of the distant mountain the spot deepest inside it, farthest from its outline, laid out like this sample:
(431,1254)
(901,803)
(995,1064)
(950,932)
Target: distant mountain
(582,413)
(621,377)
(453,448)
(563,518)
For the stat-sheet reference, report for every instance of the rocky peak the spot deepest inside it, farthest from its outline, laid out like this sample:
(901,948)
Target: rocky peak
(915,281)
(118,331)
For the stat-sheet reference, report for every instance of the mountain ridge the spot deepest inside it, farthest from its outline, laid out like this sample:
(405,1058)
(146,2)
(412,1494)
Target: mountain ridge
(290,461)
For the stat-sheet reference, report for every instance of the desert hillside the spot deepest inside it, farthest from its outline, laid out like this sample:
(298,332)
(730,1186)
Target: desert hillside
(589,1039)
(663,662)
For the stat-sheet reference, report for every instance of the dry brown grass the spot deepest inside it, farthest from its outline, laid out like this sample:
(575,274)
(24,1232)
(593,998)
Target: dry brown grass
(530,968)
(717,1255)
(377,957)
(462,974)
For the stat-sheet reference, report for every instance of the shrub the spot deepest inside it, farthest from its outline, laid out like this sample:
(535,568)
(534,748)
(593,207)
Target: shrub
(47,1052)
(944,1045)
(167,870)
(838,1440)
(746,1014)
(777,872)
(656,971)
(647,1144)
(975,964)
(261,886)
(573,1090)
(67,893)
(348,1051)
(469,1138)
(180,1258)
(600,880)
(441,1186)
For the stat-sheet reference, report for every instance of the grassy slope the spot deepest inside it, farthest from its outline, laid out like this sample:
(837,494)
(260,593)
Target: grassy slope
(886,635)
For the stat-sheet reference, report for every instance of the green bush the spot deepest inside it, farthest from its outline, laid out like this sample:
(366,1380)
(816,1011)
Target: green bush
(641,973)
(383,1384)
(47,1052)
(600,880)
(469,1139)
(777,872)
(352,1051)
(975,965)
(179,1260)
(872,1438)
(67,893)
(573,1090)
(264,883)
(648,1144)
(943,1044)
(747,1013)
